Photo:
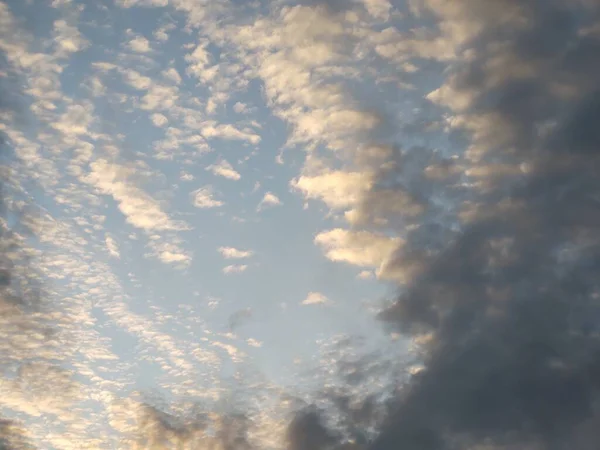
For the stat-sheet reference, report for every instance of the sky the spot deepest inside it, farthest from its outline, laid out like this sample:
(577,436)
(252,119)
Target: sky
(303,225)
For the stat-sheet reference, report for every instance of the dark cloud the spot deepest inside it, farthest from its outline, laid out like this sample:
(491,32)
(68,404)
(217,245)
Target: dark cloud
(160,424)
(510,305)
(239,318)
(13,437)
(307,431)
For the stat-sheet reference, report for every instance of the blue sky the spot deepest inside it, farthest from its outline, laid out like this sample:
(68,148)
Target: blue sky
(198,170)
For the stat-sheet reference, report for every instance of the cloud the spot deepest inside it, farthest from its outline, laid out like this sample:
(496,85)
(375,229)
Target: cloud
(13,435)
(365,275)
(96,86)
(199,61)
(139,209)
(112,247)
(68,39)
(159,120)
(493,233)
(254,343)
(161,33)
(146,425)
(235,268)
(139,44)
(337,189)
(172,75)
(169,252)
(269,200)
(359,248)
(380,9)
(159,98)
(239,318)
(234,253)
(492,295)
(307,431)
(137,80)
(315,298)
(211,129)
(184,176)
(204,198)
(76,120)
(240,108)
(225,170)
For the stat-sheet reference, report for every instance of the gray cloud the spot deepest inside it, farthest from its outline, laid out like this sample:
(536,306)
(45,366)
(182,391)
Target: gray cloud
(306,431)
(510,303)
(13,437)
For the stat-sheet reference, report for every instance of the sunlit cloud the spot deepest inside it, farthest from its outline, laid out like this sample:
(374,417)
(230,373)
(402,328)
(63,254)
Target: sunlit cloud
(268,201)
(315,298)
(225,170)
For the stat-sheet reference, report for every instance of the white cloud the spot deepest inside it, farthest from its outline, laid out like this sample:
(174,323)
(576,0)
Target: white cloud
(254,343)
(360,248)
(112,247)
(173,75)
(268,201)
(234,253)
(380,9)
(161,33)
(365,275)
(185,176)
(338,189)
(160,97)
(140,210)
(76,120)
(170,253)
(235,268)
(240,108)
(211,129)
(139,44)
(68,39)
(96,86)
(204,198)
(137,80)
(159,120)
(103,66)
(199,61)
(131,3)
(235,354)
(315,298)
(225,170)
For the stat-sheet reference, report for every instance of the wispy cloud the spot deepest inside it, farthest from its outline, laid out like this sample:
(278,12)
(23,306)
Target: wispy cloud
(269,200)
(235,268)
(204,198)
(139,209)
(225,170)
(112,247)
(315,298)
(234,253)
(360,248)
